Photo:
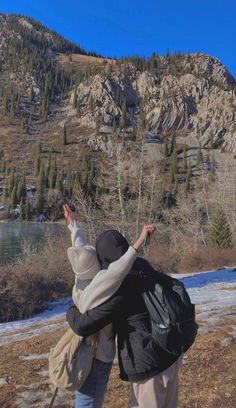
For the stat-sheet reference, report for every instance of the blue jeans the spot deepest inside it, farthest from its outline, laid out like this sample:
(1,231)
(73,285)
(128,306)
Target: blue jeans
(92,392)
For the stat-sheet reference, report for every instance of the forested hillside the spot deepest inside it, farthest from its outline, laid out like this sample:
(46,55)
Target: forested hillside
(127,140)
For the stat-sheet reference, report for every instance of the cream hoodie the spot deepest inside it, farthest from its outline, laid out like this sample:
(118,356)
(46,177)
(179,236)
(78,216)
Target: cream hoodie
(105,283)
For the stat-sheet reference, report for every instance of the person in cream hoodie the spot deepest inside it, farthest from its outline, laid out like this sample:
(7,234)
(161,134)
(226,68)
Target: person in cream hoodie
(93,287)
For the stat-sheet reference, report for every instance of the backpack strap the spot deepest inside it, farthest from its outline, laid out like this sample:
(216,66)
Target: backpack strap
(53,397)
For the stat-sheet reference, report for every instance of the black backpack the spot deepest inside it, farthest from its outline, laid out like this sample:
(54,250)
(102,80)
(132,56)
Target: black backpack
(172,314)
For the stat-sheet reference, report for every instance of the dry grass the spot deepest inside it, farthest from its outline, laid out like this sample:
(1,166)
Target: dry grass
(207,379)
(207,258)
(80,60)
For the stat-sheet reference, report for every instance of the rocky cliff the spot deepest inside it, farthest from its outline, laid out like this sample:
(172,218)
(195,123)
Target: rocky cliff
(194,93)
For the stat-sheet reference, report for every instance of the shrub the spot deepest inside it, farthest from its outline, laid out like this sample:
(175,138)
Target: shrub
(208,258)
(39,277)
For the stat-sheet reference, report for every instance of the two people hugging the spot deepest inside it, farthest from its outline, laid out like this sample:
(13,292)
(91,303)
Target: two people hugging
(109,304)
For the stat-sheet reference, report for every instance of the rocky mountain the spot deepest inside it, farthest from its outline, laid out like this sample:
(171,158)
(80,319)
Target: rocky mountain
(73,102)
(193,93)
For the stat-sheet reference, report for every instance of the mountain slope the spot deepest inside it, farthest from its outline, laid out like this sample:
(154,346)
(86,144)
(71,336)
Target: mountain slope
(80,108)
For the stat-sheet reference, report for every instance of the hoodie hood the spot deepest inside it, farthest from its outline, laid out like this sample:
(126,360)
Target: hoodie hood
(110,246)
(84,262)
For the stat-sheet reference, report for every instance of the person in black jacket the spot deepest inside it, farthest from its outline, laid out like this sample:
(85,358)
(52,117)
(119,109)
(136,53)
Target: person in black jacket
(152,372)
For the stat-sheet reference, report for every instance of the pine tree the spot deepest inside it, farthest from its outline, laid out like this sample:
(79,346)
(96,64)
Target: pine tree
(174,160)
(142,117)
(188,177)
(213,168)
(172,144)
(64,136)
(199,158)
(58,185)
(176,186)
(75,98)
(14,200)
(220,233)
(40,190)
(166,151)
(172,173)
(28,209)
(91,103)
(23,209)
(20,188)
(31,95)
(12,110)
(123,114)
(211,141)
(37,161)
(185,157)
(11,183)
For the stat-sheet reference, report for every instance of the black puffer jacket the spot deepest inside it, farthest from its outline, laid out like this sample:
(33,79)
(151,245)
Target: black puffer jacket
(139,355)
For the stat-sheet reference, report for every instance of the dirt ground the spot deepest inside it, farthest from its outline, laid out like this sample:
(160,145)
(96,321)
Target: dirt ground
(207,378)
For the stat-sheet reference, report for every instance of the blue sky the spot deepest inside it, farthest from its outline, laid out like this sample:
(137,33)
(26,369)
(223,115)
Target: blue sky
(128,27)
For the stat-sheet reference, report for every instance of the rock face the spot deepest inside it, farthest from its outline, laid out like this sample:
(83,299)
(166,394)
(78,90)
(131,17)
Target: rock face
(198,96)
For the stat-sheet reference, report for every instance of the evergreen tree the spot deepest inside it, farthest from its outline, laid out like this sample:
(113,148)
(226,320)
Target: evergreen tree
(23,209)
(123,114)
(64,136)
(207,158)
(37,161)
(172,173)
(172,144)
(188,177)
(52,177)
(142,117)
(11,183)
(174,160)
(176,186)
(40,190)
(28,209)
(31,95)
(220,233)
(199,158)
(185,162)
(12,111)
(14,200)
(91,103)
(75,98)
(211,141)
(166,150)
(58,185)
(213,168)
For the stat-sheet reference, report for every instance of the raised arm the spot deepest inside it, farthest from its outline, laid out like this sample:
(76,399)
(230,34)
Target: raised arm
(107,282)
(77,236)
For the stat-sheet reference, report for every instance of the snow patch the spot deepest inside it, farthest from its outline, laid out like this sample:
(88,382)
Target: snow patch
(3,381)
(231,337)
(34,357)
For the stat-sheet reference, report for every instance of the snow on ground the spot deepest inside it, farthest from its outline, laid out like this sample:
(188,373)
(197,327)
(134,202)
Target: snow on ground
(51,319)
(54,311)
(34,357)
(213,292)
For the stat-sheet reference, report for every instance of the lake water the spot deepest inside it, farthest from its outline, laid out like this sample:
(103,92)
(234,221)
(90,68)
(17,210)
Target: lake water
(13,236)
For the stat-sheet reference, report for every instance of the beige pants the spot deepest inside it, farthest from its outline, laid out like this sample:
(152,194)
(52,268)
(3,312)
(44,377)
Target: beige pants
(160,391)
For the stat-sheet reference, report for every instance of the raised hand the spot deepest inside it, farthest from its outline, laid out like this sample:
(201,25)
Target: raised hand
(147,230)
(68,214)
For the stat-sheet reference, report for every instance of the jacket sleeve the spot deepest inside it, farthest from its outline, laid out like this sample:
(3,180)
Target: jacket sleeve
(105,284)
(95,319)
(77,236)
